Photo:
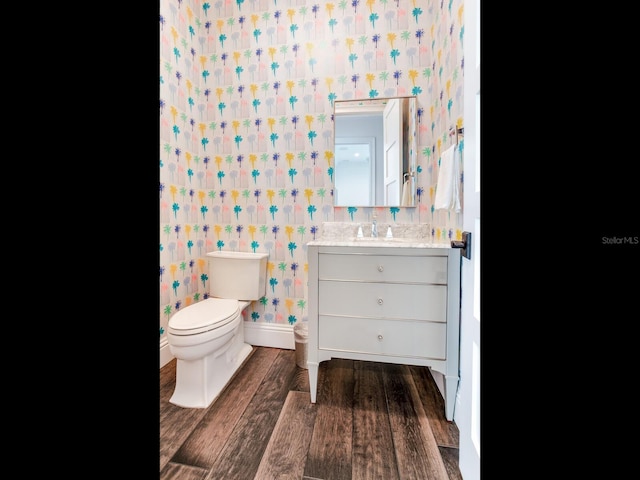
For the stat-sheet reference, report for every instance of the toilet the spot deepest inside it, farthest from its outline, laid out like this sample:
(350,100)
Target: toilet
(207,338)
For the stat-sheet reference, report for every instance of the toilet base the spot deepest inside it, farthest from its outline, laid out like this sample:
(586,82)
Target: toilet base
(199,382)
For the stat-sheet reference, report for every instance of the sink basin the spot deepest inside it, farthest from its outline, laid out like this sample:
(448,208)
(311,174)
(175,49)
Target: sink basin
(387,240)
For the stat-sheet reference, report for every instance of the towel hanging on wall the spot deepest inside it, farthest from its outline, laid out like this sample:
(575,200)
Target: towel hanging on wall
(447,190)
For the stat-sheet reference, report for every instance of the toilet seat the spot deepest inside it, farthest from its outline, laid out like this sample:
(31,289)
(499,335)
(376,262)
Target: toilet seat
(204,316)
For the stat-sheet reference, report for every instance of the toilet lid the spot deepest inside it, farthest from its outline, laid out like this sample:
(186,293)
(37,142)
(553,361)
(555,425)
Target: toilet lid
(204,315)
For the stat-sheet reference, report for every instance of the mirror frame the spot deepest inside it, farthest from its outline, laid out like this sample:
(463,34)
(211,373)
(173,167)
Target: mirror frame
(343,108)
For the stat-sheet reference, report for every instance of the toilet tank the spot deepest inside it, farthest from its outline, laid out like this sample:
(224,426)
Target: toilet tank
(238,275)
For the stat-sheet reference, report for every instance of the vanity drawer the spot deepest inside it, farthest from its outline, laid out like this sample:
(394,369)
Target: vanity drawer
(402,338)
(383,300)
(383,268)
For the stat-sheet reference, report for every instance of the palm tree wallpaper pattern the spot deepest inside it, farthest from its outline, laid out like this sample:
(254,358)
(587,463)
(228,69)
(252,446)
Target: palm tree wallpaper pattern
(246,128)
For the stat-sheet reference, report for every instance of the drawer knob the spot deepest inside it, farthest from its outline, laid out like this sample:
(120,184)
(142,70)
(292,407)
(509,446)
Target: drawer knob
(380,301)
(380,268)
(380,337)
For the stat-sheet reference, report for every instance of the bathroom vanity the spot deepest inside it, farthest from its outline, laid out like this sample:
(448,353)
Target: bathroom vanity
(385,300)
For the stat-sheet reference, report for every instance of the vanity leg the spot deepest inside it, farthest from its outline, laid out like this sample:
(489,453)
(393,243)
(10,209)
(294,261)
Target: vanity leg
(313,379)
(451,389)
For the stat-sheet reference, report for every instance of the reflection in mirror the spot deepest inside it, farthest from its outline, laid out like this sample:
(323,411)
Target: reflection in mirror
(375,152)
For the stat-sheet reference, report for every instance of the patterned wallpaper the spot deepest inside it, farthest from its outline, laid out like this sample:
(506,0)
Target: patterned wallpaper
(246,130)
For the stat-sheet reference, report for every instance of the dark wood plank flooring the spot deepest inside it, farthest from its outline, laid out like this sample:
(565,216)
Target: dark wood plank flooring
(371,421)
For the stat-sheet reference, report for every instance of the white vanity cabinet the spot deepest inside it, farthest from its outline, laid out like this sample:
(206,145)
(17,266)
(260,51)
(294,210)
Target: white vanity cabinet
(395,304)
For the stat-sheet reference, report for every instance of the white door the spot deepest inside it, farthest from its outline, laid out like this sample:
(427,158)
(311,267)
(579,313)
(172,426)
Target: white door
(467,413)
(392,133)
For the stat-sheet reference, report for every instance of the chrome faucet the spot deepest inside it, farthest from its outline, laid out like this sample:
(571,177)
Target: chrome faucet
(374,227)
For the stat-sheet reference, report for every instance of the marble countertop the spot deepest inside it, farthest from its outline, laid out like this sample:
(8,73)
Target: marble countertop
(345,234)
(377,242)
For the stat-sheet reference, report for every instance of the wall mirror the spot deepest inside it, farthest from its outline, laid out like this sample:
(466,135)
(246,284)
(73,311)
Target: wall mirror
(375,152)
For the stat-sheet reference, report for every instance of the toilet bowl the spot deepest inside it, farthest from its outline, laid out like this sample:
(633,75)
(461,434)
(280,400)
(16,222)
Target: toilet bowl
(207,338)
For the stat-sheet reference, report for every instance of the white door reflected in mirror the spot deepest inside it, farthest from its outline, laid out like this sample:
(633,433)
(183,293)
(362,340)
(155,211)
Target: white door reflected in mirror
(393,152)
(355,171)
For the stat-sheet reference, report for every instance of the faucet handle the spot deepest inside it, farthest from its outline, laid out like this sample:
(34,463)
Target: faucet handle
(389,232)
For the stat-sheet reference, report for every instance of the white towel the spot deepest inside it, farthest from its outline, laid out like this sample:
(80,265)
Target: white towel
(406,193)
(447,191)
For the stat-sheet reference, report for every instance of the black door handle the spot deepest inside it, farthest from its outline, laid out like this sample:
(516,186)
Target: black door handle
(464,244)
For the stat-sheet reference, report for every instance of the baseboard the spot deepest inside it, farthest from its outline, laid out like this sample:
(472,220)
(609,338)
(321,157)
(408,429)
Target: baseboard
(439,379)
(258,334)
(165,353)
(269,335)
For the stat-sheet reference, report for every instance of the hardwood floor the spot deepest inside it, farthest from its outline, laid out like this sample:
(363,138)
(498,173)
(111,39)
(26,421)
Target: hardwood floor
(371,421)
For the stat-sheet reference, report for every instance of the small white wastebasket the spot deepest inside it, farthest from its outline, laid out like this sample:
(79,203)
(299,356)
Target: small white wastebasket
(301,336)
